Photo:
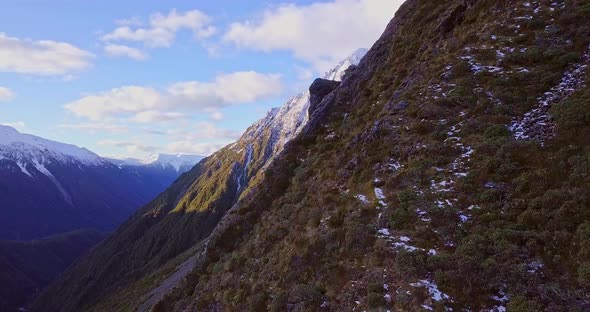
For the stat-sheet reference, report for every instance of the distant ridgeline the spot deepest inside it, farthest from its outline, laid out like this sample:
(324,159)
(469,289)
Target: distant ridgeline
(51,194)
(448,171)
(49,187)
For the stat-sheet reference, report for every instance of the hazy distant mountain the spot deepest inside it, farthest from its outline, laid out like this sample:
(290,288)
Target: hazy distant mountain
(48,187)
(180,163)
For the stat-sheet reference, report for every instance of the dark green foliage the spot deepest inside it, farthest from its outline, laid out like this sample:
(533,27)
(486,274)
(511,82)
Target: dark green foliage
(522,304)
(573,116)
(30,266)
(497,131)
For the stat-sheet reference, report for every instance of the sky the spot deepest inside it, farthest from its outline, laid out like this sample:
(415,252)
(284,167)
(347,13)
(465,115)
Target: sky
(133,78)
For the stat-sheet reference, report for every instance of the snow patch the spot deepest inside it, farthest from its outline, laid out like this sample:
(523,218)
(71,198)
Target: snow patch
(380,196)
(537,124)
(41,168)
(21,147)
(435,293)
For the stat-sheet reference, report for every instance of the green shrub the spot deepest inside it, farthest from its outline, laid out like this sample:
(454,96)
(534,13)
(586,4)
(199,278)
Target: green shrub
(496,131)
(375,300)
(573,115)
(522,304)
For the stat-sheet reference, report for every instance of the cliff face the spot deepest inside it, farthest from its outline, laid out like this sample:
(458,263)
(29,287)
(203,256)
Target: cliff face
(413,190)
(409,188)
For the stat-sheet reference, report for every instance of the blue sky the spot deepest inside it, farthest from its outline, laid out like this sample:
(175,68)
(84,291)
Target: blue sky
(132,78)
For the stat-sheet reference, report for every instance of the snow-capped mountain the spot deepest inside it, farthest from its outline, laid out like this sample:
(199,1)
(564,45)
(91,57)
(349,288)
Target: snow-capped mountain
(24,148)
(287,121)
(179,162)
(48,187)
(337,73)
(267,137)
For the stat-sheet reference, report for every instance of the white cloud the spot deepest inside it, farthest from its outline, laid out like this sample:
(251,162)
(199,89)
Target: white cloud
(129,99)
(18,125)
(217,116)
(319,33)
(123,50)
(157,116)
(202,138)
(189,147)
(161,29)
(239,87)
(204,131)
(95,127)
(6,94)
(142,102)
(41,57)
(133,148)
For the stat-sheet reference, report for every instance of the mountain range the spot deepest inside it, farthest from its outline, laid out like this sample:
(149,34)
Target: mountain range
(49,187)
(179,163)
(59,200)
(447,171)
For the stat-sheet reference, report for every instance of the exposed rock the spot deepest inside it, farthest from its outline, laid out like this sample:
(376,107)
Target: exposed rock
(538,124)
(397,106)
(318,91)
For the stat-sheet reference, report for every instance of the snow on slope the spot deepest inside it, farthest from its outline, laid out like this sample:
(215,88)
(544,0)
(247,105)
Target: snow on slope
(288,120)
(180,162)
(25,148)
(337,73)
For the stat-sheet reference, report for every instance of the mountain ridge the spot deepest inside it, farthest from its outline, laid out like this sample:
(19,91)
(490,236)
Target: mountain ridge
(43,177)
(191,207)
(18,146)
(180,162)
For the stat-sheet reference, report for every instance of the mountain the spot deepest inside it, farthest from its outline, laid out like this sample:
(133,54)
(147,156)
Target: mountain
(27,267)
(49,187)
(448,171)
(186,212)
(178,163)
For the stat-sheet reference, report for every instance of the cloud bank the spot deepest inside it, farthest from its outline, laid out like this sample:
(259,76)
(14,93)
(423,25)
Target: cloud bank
(45,57)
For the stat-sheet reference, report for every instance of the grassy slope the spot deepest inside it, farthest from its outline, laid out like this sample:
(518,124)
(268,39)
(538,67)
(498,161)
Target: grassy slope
(510,227)
(143,250)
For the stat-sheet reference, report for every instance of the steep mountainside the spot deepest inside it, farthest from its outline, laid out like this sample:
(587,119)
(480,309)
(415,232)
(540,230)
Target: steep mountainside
(27,267)
(49,187)
(110,277)
(448,171)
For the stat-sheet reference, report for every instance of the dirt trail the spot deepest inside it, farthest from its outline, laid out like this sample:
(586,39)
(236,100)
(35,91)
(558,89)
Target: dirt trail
(156,294)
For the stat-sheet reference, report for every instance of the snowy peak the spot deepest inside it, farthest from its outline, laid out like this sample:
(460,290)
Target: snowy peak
(21,148)
(337,73)
(287,121)
(180,162)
